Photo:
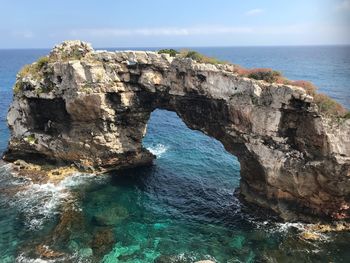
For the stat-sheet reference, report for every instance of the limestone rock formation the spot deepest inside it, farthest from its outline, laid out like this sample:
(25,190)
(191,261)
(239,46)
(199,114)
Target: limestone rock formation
(91,108)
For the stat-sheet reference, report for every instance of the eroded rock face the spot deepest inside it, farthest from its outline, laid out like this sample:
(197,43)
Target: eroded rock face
(91,108)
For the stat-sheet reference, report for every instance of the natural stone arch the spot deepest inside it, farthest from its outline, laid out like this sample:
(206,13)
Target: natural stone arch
(91,108)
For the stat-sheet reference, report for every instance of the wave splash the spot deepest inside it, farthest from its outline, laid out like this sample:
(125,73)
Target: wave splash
(158,150)
(39,203)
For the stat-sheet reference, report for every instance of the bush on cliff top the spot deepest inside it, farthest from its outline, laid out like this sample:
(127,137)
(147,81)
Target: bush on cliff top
(200,57)
(326,105)
(267,75)
(17,87)
(330,107)
(34,70)
(41,62)
(191,54)
(308,86)
(171,52)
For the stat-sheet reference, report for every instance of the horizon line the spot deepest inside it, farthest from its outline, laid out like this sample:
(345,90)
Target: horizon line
(214,46)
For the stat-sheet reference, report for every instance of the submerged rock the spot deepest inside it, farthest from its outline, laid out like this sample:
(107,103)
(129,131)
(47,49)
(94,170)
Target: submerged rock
(237,242)
(85,252)
(323,228)
(90,108)
(47,253)
(71,223)
(103,241)
(307,235)
(110,216)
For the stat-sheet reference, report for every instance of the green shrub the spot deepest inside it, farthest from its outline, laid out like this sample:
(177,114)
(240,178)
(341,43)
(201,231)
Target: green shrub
(31,139)
(330,107)
(25,70)
(73,55)
(347,115)
(34,69)
(171,52)
(194,55)
(200,57)
(17,87)
(267,75)
(41,62)
(67,55)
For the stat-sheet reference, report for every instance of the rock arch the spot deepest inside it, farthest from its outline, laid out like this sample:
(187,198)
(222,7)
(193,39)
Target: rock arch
(91,108)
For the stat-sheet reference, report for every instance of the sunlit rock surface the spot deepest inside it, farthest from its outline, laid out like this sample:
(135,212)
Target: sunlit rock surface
(91,108)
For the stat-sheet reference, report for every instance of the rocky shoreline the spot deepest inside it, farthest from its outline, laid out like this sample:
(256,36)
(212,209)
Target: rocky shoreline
(60,243)
(90,109)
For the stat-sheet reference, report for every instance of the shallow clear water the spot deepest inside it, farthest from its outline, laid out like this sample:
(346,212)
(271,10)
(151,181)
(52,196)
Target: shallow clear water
(181,209)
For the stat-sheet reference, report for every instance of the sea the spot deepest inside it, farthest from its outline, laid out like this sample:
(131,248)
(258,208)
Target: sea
(184,208)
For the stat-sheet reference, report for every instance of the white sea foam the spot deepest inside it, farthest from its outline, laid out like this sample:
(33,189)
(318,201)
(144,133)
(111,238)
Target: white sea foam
(5,166)
(23,259)
(284,228)
(272,227)
(39,203)
(158,150)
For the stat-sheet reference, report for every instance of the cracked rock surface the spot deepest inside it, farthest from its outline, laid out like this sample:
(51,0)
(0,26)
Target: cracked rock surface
(91,108)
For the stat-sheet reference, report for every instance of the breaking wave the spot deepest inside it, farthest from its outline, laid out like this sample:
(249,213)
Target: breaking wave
(158,150)
(39,203)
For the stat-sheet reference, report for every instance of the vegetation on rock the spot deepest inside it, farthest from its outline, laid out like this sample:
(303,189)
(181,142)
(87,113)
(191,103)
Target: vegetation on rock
(330,107)
(171,52)
(35,71)
(41,62)
(30,139)
(72,50)
(185,53)
(265,74)
(208,98)
(74,55)
(200,57)
(326,105)
(17,87)
(308,86)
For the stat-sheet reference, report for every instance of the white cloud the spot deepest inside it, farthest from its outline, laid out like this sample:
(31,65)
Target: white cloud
(344,5)
(254,12)
(286,34)
(186,31)
(23,34)
(159,31)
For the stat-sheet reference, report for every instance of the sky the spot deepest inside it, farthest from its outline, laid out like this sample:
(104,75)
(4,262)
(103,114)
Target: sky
(180,23)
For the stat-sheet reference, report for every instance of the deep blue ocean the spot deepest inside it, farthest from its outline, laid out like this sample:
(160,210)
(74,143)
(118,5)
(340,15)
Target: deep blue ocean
(184,207)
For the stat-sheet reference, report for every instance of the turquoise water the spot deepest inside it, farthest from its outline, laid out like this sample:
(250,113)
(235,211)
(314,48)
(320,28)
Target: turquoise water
(182,209)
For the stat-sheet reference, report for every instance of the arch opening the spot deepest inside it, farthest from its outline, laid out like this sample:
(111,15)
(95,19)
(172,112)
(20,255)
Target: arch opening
(192,172)
(173,142)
